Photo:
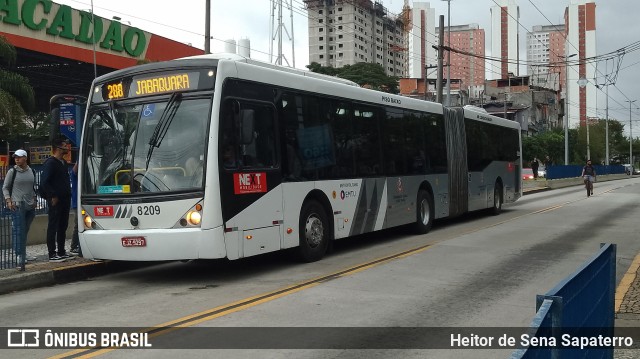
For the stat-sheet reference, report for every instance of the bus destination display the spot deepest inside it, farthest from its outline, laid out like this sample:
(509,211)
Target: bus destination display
(150,85)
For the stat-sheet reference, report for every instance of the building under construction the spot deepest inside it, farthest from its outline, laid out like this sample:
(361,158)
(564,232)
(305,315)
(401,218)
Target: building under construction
(346,32)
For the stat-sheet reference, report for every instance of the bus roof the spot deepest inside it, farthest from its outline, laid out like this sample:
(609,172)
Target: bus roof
(240,58)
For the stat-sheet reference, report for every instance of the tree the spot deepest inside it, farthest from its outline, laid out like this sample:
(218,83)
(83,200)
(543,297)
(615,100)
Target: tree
(363,73)
(548,143)
(370,75)
(38,125)
(16,94)
(325,70)
(618,144)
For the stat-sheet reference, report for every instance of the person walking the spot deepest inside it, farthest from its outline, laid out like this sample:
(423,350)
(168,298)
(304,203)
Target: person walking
(534,167)
(75,240)
(20,199)
(589,175)
(55,187)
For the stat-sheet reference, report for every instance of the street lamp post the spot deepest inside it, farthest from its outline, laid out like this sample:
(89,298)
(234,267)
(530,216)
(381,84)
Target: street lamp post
(630,138)
(93,21)
(606,130)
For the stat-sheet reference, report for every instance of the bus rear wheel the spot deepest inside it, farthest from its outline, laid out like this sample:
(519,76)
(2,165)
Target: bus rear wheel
(424,212)
(314,232)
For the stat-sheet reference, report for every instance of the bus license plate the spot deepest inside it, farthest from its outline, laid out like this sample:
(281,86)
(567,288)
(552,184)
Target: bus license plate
(134,242)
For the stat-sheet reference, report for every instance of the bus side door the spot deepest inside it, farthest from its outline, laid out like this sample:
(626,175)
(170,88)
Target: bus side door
(250,176)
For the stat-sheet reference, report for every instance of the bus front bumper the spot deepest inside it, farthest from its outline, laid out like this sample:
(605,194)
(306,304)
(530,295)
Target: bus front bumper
(153,244)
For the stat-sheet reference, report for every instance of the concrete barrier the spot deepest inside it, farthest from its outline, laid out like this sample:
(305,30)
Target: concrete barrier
(575,181)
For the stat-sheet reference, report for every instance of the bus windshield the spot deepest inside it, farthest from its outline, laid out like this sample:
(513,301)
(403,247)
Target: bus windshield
(146,147)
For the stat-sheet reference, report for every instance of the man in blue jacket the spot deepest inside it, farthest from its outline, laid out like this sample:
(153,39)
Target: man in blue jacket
(55,187)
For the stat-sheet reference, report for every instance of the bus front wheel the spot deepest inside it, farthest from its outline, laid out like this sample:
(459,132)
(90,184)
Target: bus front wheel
(424,212)
(314,232)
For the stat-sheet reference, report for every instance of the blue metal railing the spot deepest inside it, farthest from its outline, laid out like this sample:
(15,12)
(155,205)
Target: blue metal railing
(582,305)
(557,172)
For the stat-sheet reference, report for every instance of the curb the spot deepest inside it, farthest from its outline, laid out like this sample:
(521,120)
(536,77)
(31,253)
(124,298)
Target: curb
(63,275)
(536,190)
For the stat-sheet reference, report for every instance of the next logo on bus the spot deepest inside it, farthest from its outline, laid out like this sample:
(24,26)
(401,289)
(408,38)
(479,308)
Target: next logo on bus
(103,211)
(249,183)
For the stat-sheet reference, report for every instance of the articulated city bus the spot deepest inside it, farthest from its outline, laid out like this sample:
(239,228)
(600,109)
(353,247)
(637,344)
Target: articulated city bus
(222,156)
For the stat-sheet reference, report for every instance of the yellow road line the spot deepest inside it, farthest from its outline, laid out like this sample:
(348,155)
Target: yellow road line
(626,282)
(246,303)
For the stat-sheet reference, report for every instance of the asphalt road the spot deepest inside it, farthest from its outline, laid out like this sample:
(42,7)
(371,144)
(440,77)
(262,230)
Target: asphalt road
(474,271)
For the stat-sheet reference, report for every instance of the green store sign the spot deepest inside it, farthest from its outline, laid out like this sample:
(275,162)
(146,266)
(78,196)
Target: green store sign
(133,41)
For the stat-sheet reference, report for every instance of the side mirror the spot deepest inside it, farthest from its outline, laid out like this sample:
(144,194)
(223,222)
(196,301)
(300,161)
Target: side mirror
(247,125)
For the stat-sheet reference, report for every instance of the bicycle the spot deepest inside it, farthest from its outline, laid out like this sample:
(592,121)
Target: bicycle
(588,183)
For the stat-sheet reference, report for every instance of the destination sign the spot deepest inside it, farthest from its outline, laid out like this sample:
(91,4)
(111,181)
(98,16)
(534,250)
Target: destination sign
(164,83)
(145,85)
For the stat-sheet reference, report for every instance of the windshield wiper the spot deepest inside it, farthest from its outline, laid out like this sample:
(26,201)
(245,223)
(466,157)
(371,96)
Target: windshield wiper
(162,127)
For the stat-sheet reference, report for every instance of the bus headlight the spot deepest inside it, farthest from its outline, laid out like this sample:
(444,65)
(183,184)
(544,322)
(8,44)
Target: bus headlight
(194,218)
(88,222)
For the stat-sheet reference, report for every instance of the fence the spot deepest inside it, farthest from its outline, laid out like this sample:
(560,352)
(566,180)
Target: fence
(568,171)
(7,254)
(582,305)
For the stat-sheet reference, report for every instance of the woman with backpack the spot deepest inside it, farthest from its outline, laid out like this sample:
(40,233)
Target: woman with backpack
(20,199)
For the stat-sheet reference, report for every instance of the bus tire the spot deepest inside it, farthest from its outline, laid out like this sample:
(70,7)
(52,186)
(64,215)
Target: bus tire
(315,232)
(424,212)
(497,199)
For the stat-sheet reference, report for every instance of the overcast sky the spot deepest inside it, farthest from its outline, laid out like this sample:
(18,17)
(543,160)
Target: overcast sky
(617,26)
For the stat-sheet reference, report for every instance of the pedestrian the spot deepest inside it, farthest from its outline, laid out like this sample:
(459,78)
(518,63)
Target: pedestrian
(75,241)
(20,199)
(55,187)
(534,167)
(547,162)
(589,176)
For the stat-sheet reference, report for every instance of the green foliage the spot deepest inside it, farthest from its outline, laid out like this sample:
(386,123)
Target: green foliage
(19,88)
(325,70)
(8,53)
(551,143)
(548,143)
(618,144)
(10,116)
(364,74)
(16,96)
(38,125)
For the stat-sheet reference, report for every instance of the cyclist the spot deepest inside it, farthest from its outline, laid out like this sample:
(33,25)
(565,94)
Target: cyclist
(589,175)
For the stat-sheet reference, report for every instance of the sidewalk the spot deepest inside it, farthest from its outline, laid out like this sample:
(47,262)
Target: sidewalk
(41,273)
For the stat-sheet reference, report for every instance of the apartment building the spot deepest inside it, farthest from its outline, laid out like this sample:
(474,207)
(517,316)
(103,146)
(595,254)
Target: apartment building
(504,38)
(469,67)
(545,56)
(346,32)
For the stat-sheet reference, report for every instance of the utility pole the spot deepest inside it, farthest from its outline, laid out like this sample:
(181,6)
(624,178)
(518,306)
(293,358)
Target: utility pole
(606,130)
(440,58)
(630,138)
(448,102)
(207,27)
(566,106)
(93,20)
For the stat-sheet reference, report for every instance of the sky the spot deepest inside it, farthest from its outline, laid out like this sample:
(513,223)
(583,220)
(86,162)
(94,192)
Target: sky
(617,26)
